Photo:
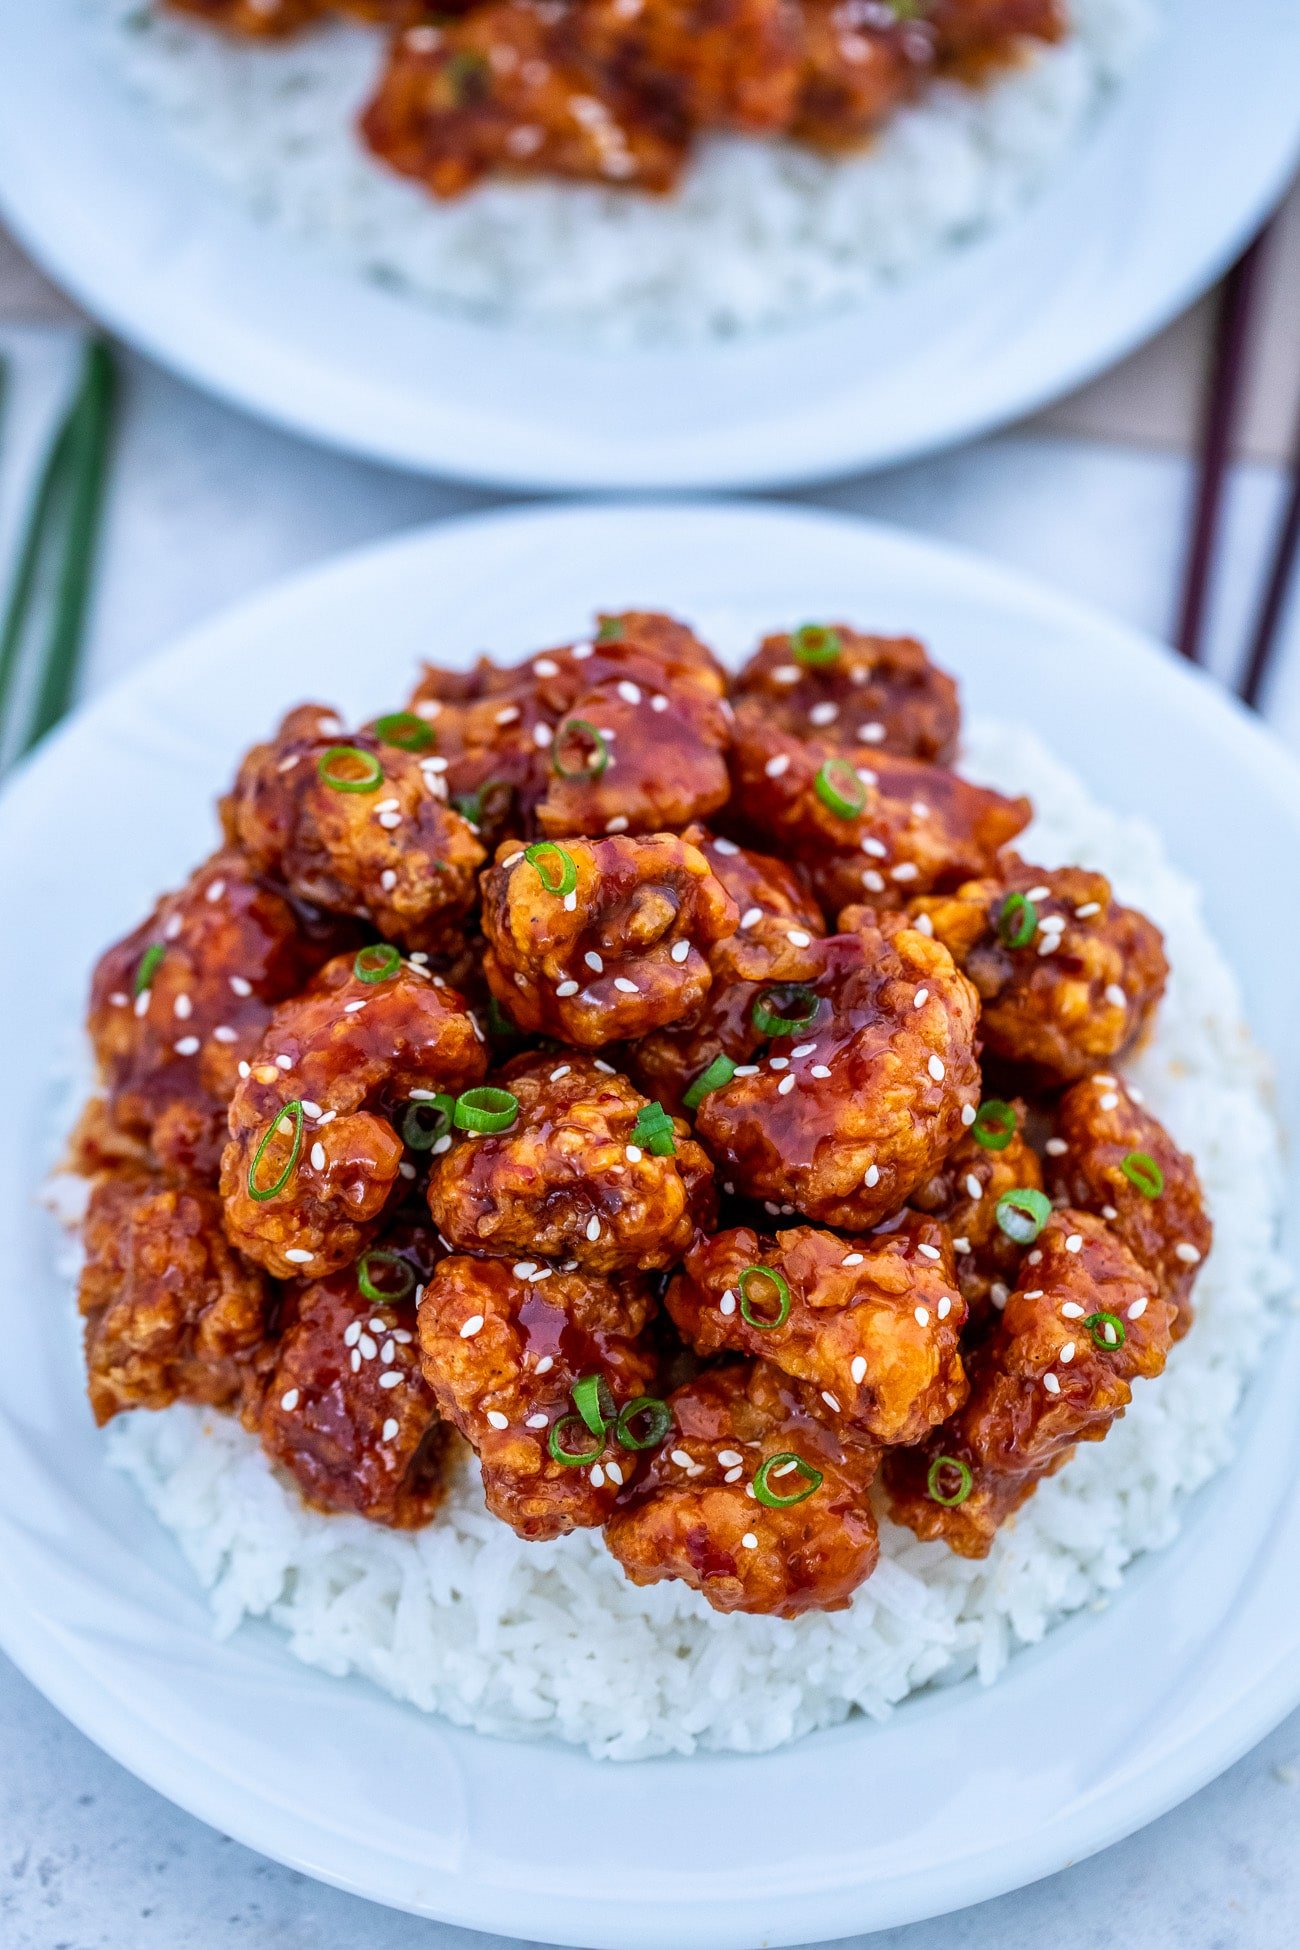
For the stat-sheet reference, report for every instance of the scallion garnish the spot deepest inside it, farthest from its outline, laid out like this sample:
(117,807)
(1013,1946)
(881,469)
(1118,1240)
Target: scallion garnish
(1108,1331)
(499,1023)
(840,789)
(750,1298)
(720,1071)
(1022,1214)
(594,1403)
(485,1109)
(377,963)
(815,645)
(369,779)
(995,1124)
(294,1112)
(147,968)
(406,731)
(659,1418)
(612,630)
(788,1463)
(581,740)
(654,1130)
(933,1481)
(555,868)
(1141,1170)
(427,1119)
(1017,921)
(785,1010)
(492,802)
(573,1458)
(370,1288)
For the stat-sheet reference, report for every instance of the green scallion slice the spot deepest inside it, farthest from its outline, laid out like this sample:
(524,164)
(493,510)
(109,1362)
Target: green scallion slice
(612,630)
(147,967)
(294,1112)
(1141,1170)
(658,1418)
(840,789)
(995,1124)
(1022,1214)
(427,1119)
(1017,921)
(948,1500)
(752,1296)
(812,1480)
(654,1130)
(1108,1331)
(485,1109)
(378,963)
(555,868)
(368,1285)
(785,1010)
(573,1458)
(406,731)
(815,646)
(594,1403)
(368,779)
(720,1071)
(578,750)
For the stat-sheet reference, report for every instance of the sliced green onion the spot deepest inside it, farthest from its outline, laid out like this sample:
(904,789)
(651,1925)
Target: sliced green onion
(659,1419)
(965,1482)
(995,1124)
(1017,921)
(469,76)
(406,731)
(1108,1331)
(370,1288)
(654,1130)
(784,1021)
(492,801)
(1141,1169)
(368,780)
(590,765)
(840,789)
(293,1111)
(556,869)
(815,645)
(573,1458)
(748,1300)
(147,968)
(377,963)
(612,630)
(720,1071)
(594,1403)
(485,1109)
(1022,1214)
(427,1120)
(499,1023)
(813,1480)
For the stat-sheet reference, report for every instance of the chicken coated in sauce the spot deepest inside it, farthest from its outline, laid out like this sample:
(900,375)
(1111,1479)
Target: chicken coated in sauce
(850,690)
(504,1346)
(872,1325)
(991,1158)
(574,1177)
(603,940)
(1082,1326)
(316,1151)
(863,1099)
(172,1313)
(1109,1155)
(1067,977)
(346,1409)
(696,1514)
(358,825)
(275,19)
(185,997)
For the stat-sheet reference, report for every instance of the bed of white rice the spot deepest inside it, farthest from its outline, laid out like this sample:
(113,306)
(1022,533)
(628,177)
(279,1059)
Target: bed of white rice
(464,1619)
(761,233)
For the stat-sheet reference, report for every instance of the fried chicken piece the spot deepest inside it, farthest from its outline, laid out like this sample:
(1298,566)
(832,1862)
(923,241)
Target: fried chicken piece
(347,1410)
(696,1513)
(860,825)
(573,1177)
(976,34)
(848,690)
(275,19)
(185,997)
(723,64)
(990,1159)
(1101,1160)
(503,1349)
(778,923)
(172,1312)
(861,63)
(620,951)
(1058,1371)
(1067,977)
(358,826)
(865,1097)
(318,1116)
(872,1325)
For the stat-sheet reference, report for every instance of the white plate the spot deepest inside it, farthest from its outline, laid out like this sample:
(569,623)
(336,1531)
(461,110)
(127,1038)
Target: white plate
(1131,227)
(965,1793)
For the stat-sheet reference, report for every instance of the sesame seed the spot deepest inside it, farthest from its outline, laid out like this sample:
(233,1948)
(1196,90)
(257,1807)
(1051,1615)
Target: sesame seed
(566,988)
(187,1046)
(244,1070)
(354,1008)
(546,1363)
(593,1228)
(388,880)
(629,692)
(618,824)
(593,960)
(921,1315)
(289,1399)
(920,999)
(369,1347)
(1109,1212)
(785,1086)
(734,1474)
(679,951)
(183,1007)
(830,1400)
(390,820)
(562,1071)
(507,714)
(495,1418)
(284,1062)
(746,1069)
(523,1269)
(1067,1352)
(1072,1311)
(786,674)
(1039,894)
(173,927)
(1088,909)
(935,1067)
(730,1457)
(659,702)
(581,651)
(471,1327)
(441,1144)
(570,903)
(751,917)
(680,1457)
(974,1190)
(872,734)
(905,870)
(798,938)
(944,1308)
(968,1111)
(727,1304)
(1137,1310)
(876,848)
(511,860)
(614,1473)
(1056,1147)
(824,713)
(1109,1102)
(1033,1259)
(318,1157)
(872,881)
(859,1368)
(224,1034)
(1116,995)
(542,735)
(929,1252)
(403,1334)
(1187,1253)
(1074,1244)
(622,983)
(391,1379)
(1034,1293)
(240,986)
(607,1069)
(776,766)
(354,1361)
(750,1541)
(871,1176)
(851,1259)
(535,1422)
(391,1427)
(376,1325)
(1051,1384)
(727,847)
(999,1294)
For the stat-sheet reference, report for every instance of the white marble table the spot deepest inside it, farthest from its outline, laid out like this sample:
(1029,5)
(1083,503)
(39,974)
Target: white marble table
(208,508)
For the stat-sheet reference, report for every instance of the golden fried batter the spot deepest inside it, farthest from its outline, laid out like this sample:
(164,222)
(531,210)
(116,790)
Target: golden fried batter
(851,691)
(964,1192)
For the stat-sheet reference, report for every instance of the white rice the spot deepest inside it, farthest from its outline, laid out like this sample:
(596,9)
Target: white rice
(510,1638)
(761,233)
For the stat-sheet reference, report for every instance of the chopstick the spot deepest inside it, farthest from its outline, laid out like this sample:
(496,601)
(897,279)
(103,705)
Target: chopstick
(54,565)
(1267,624)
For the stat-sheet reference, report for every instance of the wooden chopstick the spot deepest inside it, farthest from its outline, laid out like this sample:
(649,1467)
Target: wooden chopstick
(1267,624)
(1223,406)
(56,552)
